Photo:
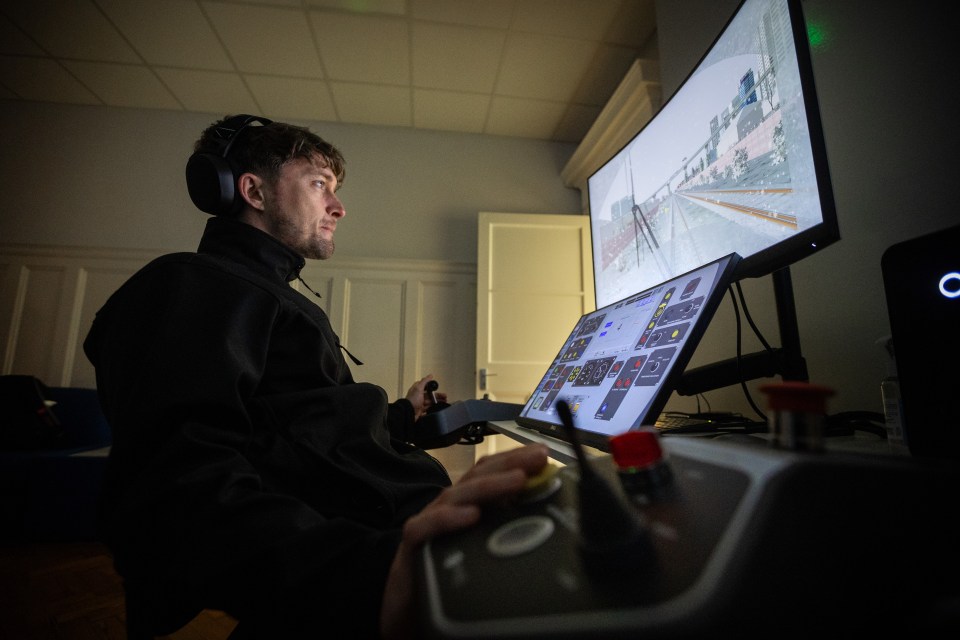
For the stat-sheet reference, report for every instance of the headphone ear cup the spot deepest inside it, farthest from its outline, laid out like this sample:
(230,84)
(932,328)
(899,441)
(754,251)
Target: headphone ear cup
(211,183)
(212,177)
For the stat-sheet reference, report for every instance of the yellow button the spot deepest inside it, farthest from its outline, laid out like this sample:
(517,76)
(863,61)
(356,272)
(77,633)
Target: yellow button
(542,484)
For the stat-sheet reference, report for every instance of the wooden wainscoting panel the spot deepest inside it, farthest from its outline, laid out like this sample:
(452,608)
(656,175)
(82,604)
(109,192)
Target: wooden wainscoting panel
(41,293)
(374,330)
(403,319)
(9,290)
(49,296)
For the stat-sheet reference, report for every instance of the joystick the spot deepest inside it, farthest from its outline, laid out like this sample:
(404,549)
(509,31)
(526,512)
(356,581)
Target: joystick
(463,422)
(437,405)
(613,537)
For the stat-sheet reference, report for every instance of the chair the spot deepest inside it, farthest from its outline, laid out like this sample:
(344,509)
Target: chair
(51,494)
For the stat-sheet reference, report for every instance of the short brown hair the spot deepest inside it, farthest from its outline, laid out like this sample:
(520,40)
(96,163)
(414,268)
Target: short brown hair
(263,150)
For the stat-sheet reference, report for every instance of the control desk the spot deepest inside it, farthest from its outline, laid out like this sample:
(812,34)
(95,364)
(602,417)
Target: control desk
(704,536)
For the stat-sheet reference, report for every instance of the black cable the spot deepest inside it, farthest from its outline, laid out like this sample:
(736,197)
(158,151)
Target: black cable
(706,401)
(843,423)
(743,383)
(746,313)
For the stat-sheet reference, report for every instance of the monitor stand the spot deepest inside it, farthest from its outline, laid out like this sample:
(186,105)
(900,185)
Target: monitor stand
(786,361)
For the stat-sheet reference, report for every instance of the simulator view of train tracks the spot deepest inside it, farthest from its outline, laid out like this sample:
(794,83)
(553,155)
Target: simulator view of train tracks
(712,199)
(692,225)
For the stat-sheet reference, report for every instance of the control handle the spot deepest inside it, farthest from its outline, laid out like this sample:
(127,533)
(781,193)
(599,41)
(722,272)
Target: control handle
(431,388)
(614,540)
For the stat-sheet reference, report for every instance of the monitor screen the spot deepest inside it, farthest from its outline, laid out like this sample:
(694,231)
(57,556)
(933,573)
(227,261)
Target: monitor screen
(618,367)
(734,162)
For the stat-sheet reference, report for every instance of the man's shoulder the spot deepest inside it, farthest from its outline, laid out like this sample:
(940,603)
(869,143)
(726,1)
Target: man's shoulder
(195,264)
(190,283)
(199,272)
(187,259)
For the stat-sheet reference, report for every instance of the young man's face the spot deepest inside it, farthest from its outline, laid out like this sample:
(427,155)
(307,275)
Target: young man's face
(301,208)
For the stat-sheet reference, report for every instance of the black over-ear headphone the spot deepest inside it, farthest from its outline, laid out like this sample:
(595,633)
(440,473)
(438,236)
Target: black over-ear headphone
(212,176)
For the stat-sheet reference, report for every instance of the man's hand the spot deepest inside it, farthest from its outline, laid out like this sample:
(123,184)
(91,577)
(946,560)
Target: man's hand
(492,478)
(420,399)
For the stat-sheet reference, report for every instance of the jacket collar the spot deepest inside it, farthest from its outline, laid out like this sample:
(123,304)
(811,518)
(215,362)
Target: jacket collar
(252,247)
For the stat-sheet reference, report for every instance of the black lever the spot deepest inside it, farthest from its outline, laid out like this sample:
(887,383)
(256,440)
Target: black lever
(431,388)
(613,538)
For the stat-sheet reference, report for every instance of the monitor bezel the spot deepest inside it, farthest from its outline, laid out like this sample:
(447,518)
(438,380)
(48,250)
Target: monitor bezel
(600,441)
(802,244)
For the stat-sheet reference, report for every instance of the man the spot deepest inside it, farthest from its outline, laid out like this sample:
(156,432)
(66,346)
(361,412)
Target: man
(249,472)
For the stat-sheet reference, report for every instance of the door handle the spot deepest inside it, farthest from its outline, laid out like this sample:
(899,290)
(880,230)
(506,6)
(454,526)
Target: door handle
(483,374)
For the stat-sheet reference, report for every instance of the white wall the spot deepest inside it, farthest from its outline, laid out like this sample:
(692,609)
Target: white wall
(113,178)
(882,74)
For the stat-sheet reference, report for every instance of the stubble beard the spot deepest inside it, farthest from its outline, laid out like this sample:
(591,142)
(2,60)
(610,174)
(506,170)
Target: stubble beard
(321,249)
(311,246)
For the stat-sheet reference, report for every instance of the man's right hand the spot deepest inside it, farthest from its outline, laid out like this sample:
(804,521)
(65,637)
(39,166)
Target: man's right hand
(492,478)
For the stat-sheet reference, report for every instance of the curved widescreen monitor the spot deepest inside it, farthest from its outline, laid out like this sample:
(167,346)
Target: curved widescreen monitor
(734,162)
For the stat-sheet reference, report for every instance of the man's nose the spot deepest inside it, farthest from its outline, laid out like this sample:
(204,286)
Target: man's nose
(335,207)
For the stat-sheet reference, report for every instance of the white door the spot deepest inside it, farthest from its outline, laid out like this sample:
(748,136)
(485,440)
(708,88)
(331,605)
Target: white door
(534,280)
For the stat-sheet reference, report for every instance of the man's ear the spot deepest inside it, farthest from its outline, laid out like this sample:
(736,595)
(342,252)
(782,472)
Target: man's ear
(251,190)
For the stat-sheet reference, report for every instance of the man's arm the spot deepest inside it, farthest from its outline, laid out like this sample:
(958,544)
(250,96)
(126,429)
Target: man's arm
(404,413)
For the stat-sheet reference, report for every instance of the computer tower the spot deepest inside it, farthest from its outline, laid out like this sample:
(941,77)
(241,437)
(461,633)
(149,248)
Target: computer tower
(921,278)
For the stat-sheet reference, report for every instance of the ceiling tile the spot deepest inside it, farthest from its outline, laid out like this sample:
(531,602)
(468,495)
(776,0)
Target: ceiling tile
(432,64)
(393,7)
(209,91)
(272,40)
(292,97)
(363,48)
(123,85)
(489,13)
(583,19)
(43,79)
(543,67)
(13,40)
(523,118)
(449,111)
(174,33)
(457,58)
(372,104)
(72,29)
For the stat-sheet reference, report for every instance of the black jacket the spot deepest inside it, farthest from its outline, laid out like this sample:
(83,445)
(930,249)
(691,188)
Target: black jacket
(248,471)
